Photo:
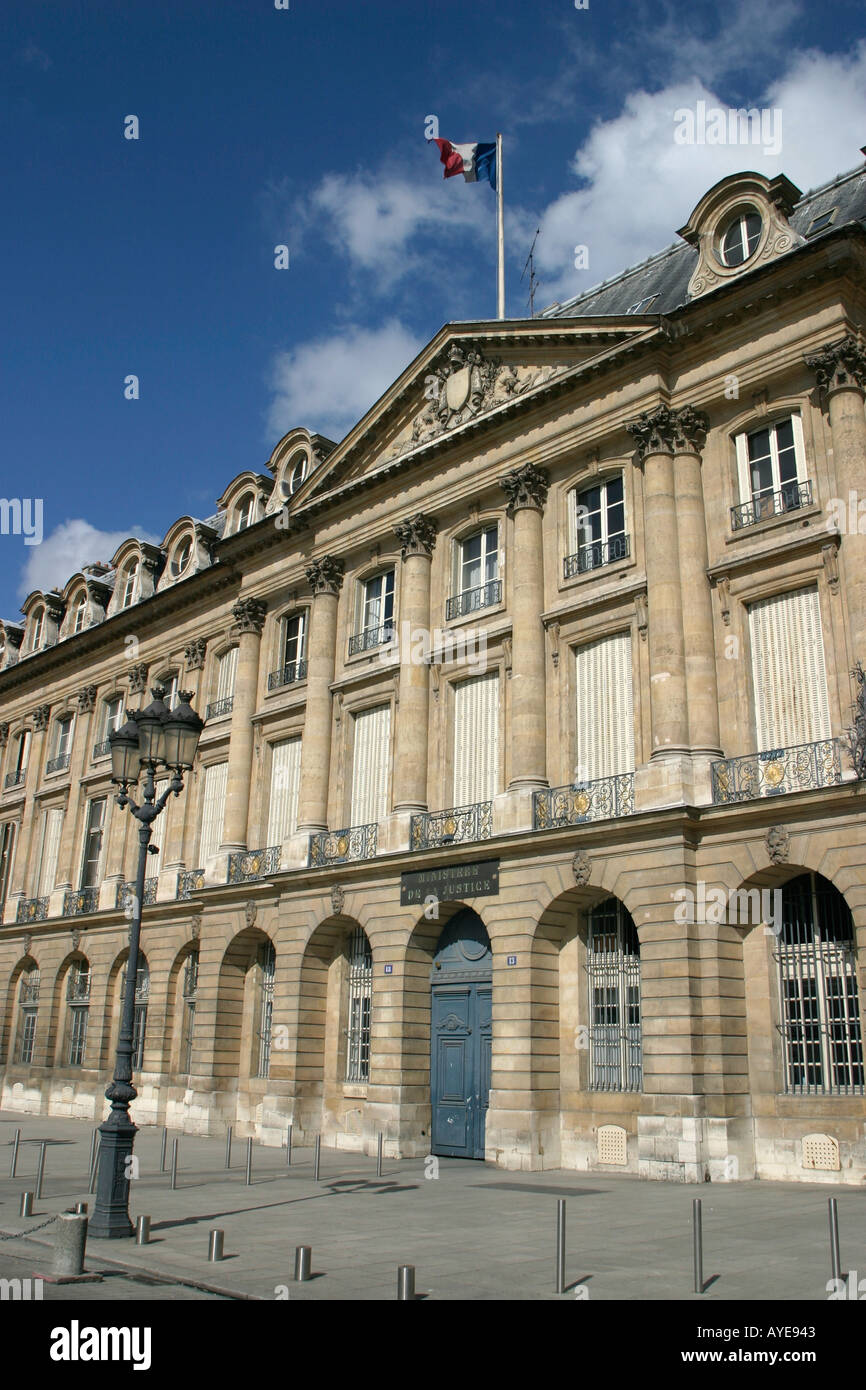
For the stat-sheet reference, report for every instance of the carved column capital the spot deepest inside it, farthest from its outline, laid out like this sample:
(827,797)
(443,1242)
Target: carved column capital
(840,366)
(194,654)
(249,615)
(87,699)
(40,718)
(525,487)
(325,575)
(667,431)
(4,734)
(417,536)
(138,678)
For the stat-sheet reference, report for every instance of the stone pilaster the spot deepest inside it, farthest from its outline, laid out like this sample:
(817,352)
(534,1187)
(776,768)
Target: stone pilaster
(26,865)
(417,537)
(81,749)
(526,489)
(249,616)
(325,577)
(696,595)
(179,830)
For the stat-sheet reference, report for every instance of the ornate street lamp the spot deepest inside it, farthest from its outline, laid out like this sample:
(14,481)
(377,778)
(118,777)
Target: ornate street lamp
(151,738)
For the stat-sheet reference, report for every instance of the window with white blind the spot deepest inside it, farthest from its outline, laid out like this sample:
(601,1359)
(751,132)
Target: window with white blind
(476,740)
(372,756)
(94,841)
(160,829)
(285,780)
(213,809)
(52,828)
(227,667)
(604,726)
(789,678)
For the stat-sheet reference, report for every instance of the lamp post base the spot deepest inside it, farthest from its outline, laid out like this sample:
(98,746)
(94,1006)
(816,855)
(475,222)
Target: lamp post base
(110,1219)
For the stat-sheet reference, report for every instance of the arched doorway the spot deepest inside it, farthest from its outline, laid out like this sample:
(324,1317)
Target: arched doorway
(462,990)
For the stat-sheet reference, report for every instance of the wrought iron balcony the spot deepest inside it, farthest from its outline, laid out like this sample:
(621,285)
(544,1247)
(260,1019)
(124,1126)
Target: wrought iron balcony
(79,901)
(605,798)
(189,881)
(101,750)
(769,504)
(16,779)
(288,675)
(59,763)
(254,863)
(371,637)
(32,910)
(342,846)
(802,767)
(220,707)
(595,554)
(472,599)
(126,892)
(457,826)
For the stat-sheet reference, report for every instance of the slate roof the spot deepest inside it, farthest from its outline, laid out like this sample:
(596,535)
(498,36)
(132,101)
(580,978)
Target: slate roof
(667,273)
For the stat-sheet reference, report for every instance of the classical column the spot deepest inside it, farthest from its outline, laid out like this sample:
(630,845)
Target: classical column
(696,595)
(249,616)
(325,577)
(81,750)
(841,373)
(526,489)
(417,537)
(656,433)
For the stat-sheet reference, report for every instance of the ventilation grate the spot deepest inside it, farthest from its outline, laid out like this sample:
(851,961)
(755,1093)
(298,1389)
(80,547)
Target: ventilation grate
(612,1144)
(821,1151)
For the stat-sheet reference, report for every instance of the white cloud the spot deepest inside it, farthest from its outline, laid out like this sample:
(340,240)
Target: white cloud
(69,546)
(640,185)
(327,384)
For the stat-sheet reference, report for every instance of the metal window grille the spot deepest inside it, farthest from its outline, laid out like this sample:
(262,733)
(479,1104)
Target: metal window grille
(820,1005)
(139,1017)
(360,991)
(190,990)
(78,1003)
(613,967)
(267,970)
(28,1033)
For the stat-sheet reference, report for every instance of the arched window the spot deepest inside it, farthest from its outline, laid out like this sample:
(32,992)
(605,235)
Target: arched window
(77,1012)
(245,511)
(181,557)
(129,584)
(79,611)
(189,991)
(613,971)
(295,475)
(38,638)
(28,1008)
(359,1000)
(266,966)
(819,996)
(139,1017)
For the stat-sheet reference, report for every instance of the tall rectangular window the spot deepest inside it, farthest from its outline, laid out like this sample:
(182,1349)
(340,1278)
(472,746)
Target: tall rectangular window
(375,620)
(7,858)
(139,1015)
(476,740)
(295,639)
(77,1012)
(359,1006)
(213,809)
(52,829)
(604,725)
(371,765)
(160,830)
(788,673)
(613,972)
(267,963)
(227,672)
(190,991)
(771,464)
(94,838)
(28,1004)
(285,781)
(23,755)
(596,527)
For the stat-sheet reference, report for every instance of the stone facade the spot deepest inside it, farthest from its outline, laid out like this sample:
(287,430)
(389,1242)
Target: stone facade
(525,412)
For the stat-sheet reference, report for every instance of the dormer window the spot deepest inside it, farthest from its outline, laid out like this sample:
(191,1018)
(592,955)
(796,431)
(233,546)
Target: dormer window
(181,557)
(821,222)
(129,584)
(38,640)
(244,514)
(295,475)
(740,238)
(79,612)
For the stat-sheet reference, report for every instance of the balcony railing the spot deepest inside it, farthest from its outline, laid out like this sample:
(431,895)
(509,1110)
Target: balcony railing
(789,499)
(126,892)
(287,675)
(58,764)
(79,901)
(32,910)
(341,846)
(219,708)
(457,826)
(802,767)
(595,554)
(101,750)
(254,863)
(189,881)
(473,599)
(16,779)
(371,637)
(605,798)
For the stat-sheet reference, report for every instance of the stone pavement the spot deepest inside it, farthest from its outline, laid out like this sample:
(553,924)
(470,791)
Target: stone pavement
(473,1233)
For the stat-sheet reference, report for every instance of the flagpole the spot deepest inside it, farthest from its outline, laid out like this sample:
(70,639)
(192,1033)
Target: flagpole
(500,232)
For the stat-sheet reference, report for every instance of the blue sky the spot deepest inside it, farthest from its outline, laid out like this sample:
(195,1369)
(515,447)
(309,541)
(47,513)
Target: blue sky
(305,126)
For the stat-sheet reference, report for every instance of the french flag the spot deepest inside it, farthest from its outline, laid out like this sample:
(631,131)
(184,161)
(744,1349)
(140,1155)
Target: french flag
(474,161)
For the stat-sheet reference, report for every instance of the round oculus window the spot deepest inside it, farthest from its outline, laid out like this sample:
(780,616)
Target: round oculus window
(741,238)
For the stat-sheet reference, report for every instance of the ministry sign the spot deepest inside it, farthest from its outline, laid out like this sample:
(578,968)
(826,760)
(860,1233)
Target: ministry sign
(451,883)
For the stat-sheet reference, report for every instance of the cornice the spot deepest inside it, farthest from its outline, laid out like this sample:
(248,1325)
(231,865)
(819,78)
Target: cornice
(760,558)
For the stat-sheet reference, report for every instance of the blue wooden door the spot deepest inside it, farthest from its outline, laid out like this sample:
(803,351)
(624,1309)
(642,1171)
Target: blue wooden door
(461,1038)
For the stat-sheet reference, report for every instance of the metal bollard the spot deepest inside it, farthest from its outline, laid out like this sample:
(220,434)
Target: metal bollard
(405,1283)
(379,1163)
(173,1164)
(162,1150)
(15,1142)
(93,1167)
(835,1261)
(70,1244)
(698,1241)
(249,1176)
(142,1230)
(303,1262)
(94,1140)
(560,1245)
(26,1204)
(229,1147)
(318,1156)
(80,1208)
(289,1147)
(215,1244)
(40,1171)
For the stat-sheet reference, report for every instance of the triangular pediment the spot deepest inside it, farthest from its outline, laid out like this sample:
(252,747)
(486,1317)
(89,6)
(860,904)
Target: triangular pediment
(468,376)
